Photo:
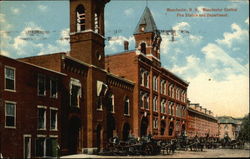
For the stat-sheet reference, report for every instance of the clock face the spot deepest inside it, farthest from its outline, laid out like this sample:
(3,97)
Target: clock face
(142,29)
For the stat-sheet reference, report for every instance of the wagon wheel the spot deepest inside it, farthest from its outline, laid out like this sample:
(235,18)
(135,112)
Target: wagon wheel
(146,149)
(168,149)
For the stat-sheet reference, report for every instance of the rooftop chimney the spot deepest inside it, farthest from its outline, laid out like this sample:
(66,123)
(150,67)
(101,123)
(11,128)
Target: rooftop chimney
(126,44)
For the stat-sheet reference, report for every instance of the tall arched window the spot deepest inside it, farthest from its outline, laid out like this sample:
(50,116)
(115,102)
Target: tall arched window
(126,106)
(143,48)
(80,18)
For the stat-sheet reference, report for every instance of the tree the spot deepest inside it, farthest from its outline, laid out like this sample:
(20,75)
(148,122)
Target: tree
(245,129)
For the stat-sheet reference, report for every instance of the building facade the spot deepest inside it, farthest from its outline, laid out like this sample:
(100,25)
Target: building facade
(160,97)
(67,102)
(201,122)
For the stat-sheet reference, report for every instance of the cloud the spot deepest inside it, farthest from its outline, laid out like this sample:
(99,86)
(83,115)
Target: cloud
(228,97)
(42,8)
(15,10)
(116,43)
(3,22)
(238,35)
(247,21)
(129,11)
(61,45)
(191,67)
(182,26)
(4,53)
(217,56)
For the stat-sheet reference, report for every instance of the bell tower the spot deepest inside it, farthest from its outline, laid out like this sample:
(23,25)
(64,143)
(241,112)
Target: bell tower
(87,31)
(147,36)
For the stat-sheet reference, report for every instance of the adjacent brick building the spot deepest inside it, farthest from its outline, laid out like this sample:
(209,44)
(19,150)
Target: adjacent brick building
(229,126)
(201,122)
(30,108)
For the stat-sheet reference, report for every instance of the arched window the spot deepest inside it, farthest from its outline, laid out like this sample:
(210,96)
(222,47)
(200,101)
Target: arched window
(97,28)
(80,18)
(143,48)
(126,107)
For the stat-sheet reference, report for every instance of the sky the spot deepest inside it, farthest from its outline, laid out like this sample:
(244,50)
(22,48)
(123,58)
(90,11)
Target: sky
(209,52)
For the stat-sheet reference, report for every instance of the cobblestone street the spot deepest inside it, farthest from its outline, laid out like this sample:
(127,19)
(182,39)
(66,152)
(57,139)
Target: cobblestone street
(207,153)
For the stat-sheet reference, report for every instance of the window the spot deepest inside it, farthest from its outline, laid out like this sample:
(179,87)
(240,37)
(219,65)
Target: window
(51,147)
(155,123)
(126,107)
(80,18)
(75,92)
(144,78)
(163,104)
(155,102)
(141,99)
(53,119)
(97,23)
(10,114)
(53,88)
(111,103)
(143,48)
(169,90)
(46,146)
(146,100)
(9,78)
(27,146)
(41,118)
(41,85)
(40,147)
(172,91)
(101,92)
(163,87)
(155,83)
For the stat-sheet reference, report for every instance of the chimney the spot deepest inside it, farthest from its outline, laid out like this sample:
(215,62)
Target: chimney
(126,44)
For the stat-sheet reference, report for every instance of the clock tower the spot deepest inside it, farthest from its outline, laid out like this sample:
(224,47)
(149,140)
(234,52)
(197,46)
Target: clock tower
(147,36)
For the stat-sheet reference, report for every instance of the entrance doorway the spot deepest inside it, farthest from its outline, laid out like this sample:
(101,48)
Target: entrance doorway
(163,127)
(171,128)
(125,131)
(99,138)
(110,125)
(144,126)
(74,130)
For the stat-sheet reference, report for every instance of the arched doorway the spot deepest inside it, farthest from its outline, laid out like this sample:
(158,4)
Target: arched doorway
(183,128)
(74,130)
(144,126)
(163,127)
(171,128)
(110,125)
(125,131)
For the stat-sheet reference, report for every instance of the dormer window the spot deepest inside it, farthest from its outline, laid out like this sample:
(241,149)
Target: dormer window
(80,18)
(142,27)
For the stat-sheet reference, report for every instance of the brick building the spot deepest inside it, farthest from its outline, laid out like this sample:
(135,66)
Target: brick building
(160,97)
(79,99)
(30,104)
(201,122)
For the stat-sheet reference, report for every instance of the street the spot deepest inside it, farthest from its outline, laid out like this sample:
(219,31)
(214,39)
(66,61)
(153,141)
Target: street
(207,153)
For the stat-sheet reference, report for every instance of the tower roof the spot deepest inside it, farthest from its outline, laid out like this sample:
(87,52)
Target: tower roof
(148,21)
